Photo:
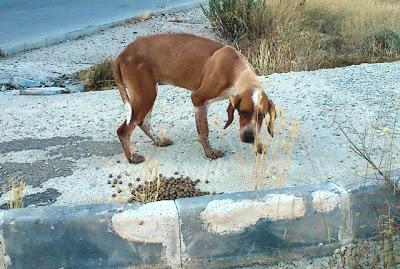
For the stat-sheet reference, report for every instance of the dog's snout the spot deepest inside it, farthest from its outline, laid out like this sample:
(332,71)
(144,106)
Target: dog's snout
(248,137)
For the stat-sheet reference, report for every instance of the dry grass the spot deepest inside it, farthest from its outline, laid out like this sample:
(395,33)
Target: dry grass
(375,143)
(98,77)
(148,195)
(16,194)
(281,36)
(271,166)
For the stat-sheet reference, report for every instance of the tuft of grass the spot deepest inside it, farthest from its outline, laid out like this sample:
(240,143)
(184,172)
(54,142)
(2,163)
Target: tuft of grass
(16,194)
(98,77)
(271,166)
(293,35)
(148,195)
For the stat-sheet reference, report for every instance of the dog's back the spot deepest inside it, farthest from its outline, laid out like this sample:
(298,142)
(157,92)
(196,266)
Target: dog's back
(176,59)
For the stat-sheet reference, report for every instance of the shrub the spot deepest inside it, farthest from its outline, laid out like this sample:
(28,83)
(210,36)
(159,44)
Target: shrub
(291,35)
(98,77)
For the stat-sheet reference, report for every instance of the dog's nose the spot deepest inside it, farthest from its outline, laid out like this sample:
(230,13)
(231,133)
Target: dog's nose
(248,137)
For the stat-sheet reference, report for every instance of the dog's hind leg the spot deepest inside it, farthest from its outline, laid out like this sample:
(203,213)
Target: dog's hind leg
(141,90)
(145,125)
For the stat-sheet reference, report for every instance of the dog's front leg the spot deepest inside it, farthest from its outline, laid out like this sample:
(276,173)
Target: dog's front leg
(202,130)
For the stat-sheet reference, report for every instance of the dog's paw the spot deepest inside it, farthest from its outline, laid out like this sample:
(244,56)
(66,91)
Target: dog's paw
(214,154)
(165,142)
(136,158)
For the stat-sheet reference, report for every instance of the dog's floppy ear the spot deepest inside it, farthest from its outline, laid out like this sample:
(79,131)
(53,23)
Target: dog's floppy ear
(272,117)
(233,103)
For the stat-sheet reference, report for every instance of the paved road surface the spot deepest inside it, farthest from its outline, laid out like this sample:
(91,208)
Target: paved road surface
(26,23)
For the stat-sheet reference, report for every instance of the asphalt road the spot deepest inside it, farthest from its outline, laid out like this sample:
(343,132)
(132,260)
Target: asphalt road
(26,24)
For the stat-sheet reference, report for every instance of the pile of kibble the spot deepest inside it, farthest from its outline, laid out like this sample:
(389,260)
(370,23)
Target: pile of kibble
(163,188)
(168,188)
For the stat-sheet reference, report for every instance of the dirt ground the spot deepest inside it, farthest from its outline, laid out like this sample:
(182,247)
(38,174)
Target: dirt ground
(65,146)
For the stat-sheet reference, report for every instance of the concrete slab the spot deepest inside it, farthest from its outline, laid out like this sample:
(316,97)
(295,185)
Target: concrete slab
(42,91)
(222,231)
(90,237)
(239,229)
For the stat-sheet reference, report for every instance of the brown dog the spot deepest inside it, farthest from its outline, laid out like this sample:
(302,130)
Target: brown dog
(211,70)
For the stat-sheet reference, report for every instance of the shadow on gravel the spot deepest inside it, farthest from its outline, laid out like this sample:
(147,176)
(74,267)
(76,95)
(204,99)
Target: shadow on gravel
(47,197)
(62,158)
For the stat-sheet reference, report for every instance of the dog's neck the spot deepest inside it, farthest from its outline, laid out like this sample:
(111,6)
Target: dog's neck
(246,80)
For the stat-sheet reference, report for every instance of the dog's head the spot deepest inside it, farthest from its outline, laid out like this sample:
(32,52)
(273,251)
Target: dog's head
(252,105)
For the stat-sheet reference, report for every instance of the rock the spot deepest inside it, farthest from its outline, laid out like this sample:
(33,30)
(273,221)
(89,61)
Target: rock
(26,83)
(74,88)
(49,83)
(5,78)
(3,88)
(31,82)
(42,91)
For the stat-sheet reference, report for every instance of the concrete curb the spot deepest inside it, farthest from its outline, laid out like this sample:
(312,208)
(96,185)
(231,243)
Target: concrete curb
(92,29)
(221,231)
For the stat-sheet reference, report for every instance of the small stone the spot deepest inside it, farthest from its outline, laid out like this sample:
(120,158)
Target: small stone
(119,191)
(114,195)
(207,181)
(74,88)
(138,179)
(118,161)
(110,175)
(108,181)
(176,173)
(120,182)
(119,176)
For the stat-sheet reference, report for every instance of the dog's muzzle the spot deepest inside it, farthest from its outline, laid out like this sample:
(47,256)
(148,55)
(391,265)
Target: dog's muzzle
(248,137)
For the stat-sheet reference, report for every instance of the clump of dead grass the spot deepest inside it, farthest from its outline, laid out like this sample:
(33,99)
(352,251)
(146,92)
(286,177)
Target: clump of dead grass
(281,36)
(271,166)
(16,194)
(149,194)
(98,77)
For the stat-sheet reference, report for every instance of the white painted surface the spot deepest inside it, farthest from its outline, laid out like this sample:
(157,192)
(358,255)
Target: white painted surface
(325,201)
(152,223)
(228,216)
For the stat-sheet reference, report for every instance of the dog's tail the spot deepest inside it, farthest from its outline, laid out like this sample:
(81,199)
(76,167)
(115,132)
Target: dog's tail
(122,90)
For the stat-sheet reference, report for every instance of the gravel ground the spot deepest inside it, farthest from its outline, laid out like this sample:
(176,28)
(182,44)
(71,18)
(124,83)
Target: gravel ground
(65,146)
